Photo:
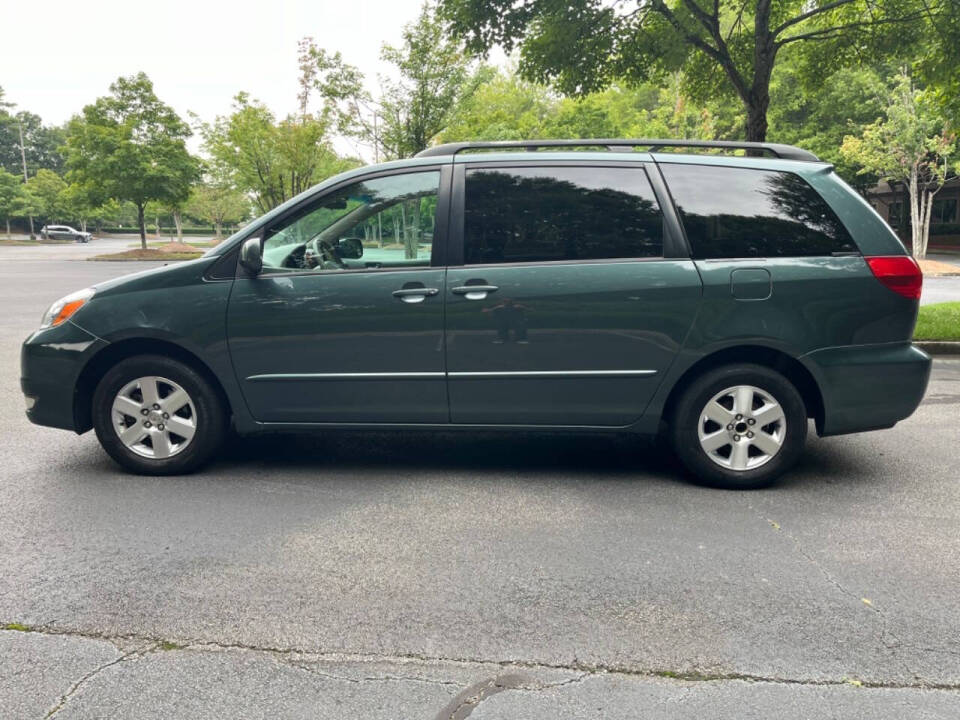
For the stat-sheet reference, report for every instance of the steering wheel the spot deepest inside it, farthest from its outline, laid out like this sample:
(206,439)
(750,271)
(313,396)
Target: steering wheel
(327,252)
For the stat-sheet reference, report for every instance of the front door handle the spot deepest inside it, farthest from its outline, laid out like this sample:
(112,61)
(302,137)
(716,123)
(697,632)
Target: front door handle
(474,292)
(415,294)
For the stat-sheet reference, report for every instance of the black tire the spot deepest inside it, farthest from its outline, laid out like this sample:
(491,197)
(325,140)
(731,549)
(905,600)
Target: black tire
(211,418)
(686,419)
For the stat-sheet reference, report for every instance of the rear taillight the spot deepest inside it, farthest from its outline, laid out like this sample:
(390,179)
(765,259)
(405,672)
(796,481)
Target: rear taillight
(900,273)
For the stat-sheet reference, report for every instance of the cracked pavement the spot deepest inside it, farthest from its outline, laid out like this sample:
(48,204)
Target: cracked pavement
(447,576)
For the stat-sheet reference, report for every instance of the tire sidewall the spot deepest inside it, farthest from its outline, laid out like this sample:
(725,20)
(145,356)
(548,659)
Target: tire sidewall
(211,421)
(684,428)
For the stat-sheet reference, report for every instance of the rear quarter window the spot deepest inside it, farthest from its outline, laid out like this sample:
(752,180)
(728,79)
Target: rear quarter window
(742,213)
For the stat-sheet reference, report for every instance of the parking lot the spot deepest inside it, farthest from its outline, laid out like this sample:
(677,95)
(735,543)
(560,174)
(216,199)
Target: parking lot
(398,575)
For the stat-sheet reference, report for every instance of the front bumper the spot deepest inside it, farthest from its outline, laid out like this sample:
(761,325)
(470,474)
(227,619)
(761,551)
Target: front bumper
(868,387)
(50,364)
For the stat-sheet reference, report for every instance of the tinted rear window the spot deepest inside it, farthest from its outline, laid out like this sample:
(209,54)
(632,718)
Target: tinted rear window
(741,212)
(560,213)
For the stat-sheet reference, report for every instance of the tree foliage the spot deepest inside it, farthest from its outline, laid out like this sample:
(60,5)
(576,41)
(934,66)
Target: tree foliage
(48,188)
(274,161)
(723,47)
(431,77)
(217,205)
(913,145)
(132,146)
(41,144)
(504,106)
(11,188)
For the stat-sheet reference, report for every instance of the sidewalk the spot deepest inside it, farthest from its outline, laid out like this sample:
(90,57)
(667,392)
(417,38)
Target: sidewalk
(941,264)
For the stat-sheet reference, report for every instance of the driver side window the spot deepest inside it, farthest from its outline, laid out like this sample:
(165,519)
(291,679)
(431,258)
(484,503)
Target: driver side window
(386,222)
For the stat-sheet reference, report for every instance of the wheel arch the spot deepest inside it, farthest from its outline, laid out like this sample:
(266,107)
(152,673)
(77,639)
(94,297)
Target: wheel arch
(113,353)
(777,360)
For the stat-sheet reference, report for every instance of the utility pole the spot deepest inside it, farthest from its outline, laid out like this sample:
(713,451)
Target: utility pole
(23,158)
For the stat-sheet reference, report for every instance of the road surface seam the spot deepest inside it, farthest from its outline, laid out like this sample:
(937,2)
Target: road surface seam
(588,669)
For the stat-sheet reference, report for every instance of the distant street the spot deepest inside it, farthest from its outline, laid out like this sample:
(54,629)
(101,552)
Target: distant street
(81,251)
(391,575)
(942,289)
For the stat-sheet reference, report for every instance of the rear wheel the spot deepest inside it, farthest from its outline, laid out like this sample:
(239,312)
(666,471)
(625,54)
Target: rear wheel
(158,416)
(739,426)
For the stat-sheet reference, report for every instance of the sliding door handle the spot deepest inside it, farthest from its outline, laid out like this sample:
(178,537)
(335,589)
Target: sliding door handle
(474,292)
(415,294)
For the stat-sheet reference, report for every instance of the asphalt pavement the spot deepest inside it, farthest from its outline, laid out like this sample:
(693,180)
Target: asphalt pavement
(401,575)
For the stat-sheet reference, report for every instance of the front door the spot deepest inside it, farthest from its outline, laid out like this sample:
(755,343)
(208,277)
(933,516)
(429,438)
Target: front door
(345,322)
(566,309)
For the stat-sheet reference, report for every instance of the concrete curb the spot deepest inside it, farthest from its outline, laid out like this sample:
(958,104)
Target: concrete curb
(938,347)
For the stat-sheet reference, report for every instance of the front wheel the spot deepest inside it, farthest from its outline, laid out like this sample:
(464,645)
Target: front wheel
(158,416)
(739,426)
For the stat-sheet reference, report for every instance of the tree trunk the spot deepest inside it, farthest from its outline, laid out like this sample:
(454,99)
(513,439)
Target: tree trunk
(218,228)
(8,228)
(915,201)
(757,120)
(142,224)
(411,237)
(178,221)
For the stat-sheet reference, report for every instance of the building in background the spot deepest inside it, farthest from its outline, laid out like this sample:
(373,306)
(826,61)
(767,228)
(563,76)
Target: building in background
(892,202)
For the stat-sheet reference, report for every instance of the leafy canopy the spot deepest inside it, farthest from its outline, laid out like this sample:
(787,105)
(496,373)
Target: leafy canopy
(432,78)
(132,146)
(722,47)
(274,161)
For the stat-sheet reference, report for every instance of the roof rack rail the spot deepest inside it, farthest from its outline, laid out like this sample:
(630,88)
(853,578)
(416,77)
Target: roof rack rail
(786,152)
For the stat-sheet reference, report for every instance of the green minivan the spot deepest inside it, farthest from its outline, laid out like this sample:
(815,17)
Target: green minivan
(716,294)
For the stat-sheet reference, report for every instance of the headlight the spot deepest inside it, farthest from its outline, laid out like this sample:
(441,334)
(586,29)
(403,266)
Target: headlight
(63,308)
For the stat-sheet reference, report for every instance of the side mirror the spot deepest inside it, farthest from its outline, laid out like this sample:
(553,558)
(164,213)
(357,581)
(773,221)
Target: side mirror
(251,256)
(350,248)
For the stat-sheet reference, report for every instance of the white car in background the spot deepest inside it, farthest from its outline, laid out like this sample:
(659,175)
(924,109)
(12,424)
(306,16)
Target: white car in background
(64,232)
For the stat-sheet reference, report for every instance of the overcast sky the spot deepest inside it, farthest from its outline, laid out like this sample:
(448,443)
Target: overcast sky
(58,55)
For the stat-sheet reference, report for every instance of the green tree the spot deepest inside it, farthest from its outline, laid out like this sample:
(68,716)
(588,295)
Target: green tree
(433,76)
(41,144)
(10,190)
(939,59)
(818,118)
(913,145)
(415,105)
(217,205)
(26,205)
(48,188)
(133,146)
(503,106)
(722,46)
(272,161)
(83,203)
(507,107)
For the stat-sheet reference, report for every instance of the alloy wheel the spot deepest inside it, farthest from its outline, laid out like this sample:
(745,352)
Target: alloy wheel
(742,428)
(154,417)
